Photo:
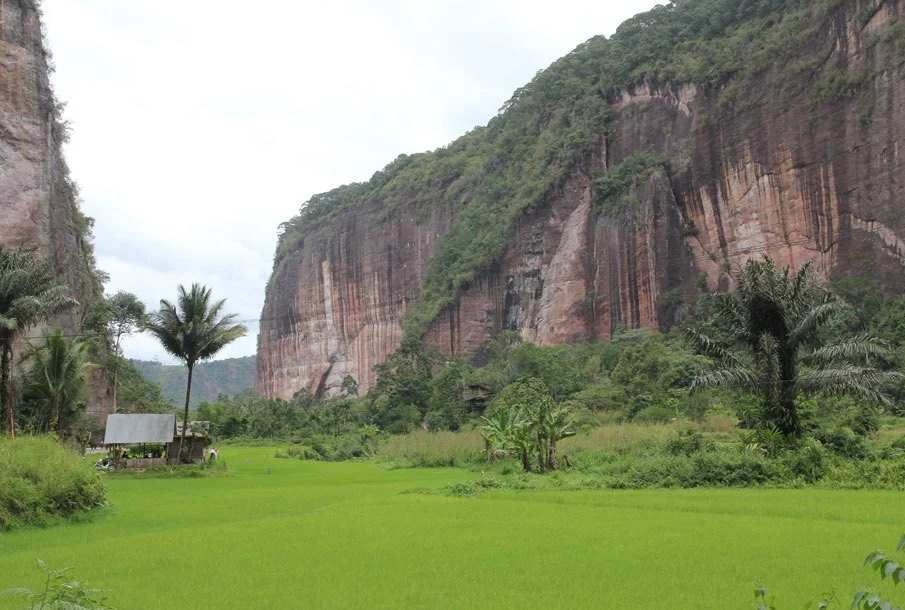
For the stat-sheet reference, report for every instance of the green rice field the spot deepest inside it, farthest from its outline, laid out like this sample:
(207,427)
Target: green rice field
(342,535)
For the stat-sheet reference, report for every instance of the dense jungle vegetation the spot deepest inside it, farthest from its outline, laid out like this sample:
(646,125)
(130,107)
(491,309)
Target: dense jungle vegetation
(624,412)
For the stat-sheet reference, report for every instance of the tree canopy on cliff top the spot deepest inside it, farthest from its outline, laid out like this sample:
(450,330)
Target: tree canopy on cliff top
(495,174)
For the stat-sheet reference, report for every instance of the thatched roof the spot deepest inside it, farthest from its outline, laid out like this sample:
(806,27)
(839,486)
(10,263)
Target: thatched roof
(124,429)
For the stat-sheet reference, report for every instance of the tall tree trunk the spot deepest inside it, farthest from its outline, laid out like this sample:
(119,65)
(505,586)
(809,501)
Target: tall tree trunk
(5,389)
(55,414)
(185,418)
(116,357)
(115,372)
(552,464)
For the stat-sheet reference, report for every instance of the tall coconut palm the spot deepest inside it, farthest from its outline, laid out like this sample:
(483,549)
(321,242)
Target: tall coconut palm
(192,330)
(29,294)
(773,337)
(59,369)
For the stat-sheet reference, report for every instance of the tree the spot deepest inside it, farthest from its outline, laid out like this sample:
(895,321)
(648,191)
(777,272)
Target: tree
(58,375)
(446,407)
(135,393)
(773,337)
(119,315)
(399,398)
(527,420)
(29,294)
(192,330)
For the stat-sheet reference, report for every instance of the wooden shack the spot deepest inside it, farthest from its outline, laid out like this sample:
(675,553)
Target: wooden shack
(125,430)
(196,441)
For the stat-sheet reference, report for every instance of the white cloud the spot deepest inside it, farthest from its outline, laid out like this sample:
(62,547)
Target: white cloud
(199,126)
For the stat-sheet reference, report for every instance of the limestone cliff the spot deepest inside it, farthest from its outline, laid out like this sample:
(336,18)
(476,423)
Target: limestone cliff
(38,201)
(798,158)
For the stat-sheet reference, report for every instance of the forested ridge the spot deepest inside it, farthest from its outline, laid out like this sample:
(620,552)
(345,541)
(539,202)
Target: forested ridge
(211,379)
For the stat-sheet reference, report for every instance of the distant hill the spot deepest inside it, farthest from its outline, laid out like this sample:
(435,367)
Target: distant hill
(209,380)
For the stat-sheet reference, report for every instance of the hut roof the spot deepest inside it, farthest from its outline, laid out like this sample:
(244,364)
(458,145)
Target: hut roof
(123,429)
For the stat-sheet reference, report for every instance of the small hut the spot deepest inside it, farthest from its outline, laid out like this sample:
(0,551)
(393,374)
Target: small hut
(124,430)
(196,440)
(477,397)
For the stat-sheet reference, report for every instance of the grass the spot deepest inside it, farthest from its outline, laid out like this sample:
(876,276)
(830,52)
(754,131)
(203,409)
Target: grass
(432,449)
(619,438)
(42,482)
(341,535)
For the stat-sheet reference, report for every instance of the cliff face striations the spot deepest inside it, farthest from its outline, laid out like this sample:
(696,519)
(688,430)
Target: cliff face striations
(798,157)
(38,202)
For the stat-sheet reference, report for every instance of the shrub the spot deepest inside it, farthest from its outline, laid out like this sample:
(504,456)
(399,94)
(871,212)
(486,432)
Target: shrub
(59,592)
(688,442)
(655,415)
(843,442)
(701,470)
(808,462)
(40,482)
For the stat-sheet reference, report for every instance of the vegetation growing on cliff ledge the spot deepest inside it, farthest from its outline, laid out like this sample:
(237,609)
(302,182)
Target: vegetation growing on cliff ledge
(552,127)
(613,190)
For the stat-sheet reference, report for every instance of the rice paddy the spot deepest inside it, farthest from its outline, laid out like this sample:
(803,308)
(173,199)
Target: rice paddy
(293,534)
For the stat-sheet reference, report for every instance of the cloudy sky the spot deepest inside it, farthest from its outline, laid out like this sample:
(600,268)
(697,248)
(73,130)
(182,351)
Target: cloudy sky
(200,125)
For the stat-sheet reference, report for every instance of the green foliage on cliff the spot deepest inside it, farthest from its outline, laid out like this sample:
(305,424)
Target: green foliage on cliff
(493,176)
(210,379)
(613,190)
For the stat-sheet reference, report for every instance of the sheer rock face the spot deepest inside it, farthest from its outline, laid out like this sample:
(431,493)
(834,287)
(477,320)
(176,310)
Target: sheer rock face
(787,173)
(38,203)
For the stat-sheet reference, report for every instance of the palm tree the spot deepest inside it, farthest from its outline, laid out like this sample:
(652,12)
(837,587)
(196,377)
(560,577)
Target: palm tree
(58,377)
(192,331)
(29,294)
(773,337)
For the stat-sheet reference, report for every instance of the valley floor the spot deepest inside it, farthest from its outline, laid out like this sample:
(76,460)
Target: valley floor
(342,535)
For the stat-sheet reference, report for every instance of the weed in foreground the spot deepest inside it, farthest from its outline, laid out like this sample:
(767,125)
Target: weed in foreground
(59,592)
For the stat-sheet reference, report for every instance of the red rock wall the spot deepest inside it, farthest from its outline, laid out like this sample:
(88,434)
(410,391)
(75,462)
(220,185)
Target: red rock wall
(786,174)
(37,202)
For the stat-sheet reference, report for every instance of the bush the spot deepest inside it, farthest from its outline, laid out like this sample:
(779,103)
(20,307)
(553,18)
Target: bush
(709,469)
(360,443)
(808,462)
(655,415)
(42,482)
(688,442)
(843,442)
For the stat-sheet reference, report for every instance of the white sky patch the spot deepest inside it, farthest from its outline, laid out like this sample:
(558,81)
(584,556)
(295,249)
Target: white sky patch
(199,126)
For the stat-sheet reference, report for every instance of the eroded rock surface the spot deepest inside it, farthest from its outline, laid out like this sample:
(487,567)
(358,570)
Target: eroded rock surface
(38,202)
(798,178)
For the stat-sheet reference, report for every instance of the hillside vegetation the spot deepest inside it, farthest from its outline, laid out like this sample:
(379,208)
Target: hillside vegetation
(492,176)
(210,380)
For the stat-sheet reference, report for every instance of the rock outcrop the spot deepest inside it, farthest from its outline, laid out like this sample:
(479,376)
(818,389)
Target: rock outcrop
(788,167)
(38,201)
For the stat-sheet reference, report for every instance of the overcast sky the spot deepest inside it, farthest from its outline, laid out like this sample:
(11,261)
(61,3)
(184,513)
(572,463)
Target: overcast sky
(200,125)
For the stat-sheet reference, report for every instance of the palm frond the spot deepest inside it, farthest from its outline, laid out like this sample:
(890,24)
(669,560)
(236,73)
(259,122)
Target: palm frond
(862,381)
(814,319)
(708,346)
(739,377)
(861,346)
